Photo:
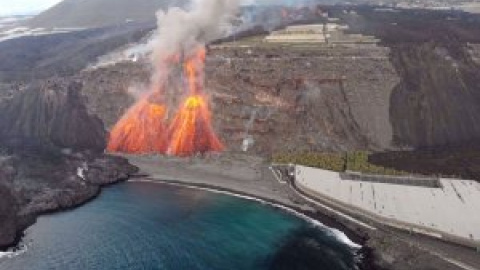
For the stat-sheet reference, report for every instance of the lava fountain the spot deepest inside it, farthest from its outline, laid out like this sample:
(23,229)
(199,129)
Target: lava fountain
(158,123)
(191,130)
(141,129)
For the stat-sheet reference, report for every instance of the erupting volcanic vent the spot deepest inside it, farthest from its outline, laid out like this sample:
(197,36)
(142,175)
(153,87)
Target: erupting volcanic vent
(191,130)
(143,128)
(153,125)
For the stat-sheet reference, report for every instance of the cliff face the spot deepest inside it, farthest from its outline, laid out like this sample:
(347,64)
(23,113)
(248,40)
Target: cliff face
(50,114)
(437,101)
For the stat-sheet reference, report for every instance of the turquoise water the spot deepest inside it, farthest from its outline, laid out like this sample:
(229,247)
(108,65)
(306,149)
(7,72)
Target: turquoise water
(156,226)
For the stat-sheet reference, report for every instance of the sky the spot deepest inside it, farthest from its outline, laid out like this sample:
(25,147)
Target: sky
(22,7)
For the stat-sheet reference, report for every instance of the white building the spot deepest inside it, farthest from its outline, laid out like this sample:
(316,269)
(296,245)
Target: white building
(329,33)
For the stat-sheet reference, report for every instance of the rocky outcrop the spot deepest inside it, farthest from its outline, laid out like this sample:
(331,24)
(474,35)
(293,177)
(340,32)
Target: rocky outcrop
(34,184)
(50,114)
(438,99)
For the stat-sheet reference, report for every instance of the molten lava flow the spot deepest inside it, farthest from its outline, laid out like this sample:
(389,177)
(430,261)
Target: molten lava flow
(194,69)
(143,130)
(191,130)
(140,130)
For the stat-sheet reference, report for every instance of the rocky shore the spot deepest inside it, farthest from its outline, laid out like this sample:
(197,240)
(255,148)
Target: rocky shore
(34,185)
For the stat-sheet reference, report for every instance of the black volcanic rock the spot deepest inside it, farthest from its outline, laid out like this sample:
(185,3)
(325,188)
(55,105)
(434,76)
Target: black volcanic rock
(50,115)
(8,218)
(438,99)
(32,184)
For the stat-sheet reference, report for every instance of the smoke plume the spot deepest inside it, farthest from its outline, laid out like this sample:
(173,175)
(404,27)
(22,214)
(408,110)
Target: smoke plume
(181,31)
(174,117)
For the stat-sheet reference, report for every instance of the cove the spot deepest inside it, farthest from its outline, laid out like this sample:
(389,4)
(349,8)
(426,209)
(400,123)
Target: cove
(157,226)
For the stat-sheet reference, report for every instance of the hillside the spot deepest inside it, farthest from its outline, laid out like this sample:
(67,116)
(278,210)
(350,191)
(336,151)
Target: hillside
(63,54)
(99,13)
(415,89)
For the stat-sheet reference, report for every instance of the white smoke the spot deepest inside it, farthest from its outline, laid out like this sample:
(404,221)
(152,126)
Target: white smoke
(181,31)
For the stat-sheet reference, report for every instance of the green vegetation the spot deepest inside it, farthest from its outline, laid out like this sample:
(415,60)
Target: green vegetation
(328,161)
(358,162)
(351,161)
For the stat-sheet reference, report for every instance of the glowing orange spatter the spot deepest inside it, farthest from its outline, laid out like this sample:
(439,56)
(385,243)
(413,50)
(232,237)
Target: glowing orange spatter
(143,128)
(140,130)
(191,130)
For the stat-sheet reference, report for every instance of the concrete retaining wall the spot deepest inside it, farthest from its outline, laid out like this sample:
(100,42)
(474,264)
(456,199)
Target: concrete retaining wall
(447,213)
(430,182)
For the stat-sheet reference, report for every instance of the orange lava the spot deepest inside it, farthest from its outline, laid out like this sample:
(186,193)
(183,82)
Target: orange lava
(191,130)
(143,128)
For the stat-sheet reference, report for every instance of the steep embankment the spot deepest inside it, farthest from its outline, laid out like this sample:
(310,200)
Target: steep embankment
(50,114)
(437,102)
(434,109)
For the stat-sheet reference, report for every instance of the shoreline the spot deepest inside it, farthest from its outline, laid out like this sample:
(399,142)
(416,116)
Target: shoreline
(313,217)
(110,171)
(251,179)
(318,220)
(385,248)
(359,251)
(32,218)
